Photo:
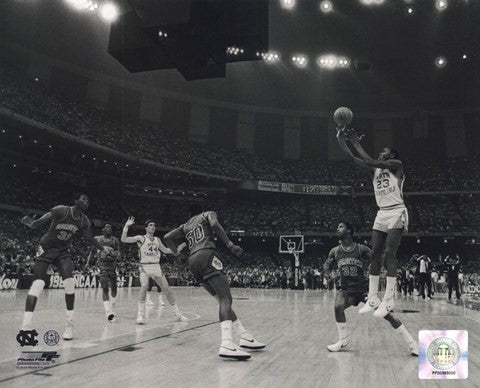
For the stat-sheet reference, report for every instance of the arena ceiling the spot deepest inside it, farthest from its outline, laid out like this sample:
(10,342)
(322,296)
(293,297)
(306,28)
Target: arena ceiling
(399,48)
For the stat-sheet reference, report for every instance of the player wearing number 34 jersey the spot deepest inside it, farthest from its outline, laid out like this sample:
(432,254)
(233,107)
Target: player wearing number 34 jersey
(65,221)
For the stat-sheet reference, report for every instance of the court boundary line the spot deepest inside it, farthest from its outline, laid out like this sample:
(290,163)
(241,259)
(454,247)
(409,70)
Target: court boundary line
(105,352)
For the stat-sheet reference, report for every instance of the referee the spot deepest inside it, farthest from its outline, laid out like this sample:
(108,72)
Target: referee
(453,268)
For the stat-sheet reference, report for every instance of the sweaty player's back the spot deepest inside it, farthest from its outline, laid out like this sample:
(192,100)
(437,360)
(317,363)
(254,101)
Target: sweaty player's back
(62,227)
(198,233)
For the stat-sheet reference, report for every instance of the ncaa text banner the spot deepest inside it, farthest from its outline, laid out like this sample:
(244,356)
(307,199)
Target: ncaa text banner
(298,188)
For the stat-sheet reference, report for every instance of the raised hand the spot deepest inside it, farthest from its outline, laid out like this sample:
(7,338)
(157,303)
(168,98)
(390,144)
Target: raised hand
(27,220)
(341,131)
(236,250)
(130,221)
(353,137)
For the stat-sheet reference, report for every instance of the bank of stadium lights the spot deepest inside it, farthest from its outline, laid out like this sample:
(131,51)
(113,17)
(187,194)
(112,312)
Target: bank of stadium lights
(372,2)
(234,50)
(441,5)
(83,5)
(333,62)
(288,4)
(326,6)
(440,62)
(269,56)
(162,34)
(410,10)
(300,61)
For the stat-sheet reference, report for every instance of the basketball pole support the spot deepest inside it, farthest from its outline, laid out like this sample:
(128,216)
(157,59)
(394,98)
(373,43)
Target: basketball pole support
(296,255)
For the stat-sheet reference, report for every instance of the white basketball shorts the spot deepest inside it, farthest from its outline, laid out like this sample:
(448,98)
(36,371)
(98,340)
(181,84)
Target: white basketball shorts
(388,219)
(152,270)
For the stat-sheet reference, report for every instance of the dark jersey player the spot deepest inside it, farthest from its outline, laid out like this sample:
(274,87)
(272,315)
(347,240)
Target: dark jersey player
(205,264)
(107,263)
(352,261)
(64,221)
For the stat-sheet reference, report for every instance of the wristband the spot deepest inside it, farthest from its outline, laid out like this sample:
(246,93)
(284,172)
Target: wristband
(229,245)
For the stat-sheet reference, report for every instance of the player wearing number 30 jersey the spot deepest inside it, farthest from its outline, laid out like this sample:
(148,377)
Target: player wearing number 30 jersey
(205,264)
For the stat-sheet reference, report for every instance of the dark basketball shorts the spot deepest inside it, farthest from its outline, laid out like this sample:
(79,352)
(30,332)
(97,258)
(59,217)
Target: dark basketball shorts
(107,278)
(52,255)
(204,264)
(356,295)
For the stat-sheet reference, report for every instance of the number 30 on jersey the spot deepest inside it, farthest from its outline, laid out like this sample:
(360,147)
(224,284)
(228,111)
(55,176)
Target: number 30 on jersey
(195,236)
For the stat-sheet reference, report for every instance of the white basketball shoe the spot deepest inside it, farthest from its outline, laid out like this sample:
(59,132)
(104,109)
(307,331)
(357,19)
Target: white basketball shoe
(341,343)
(371,304)
(385,307)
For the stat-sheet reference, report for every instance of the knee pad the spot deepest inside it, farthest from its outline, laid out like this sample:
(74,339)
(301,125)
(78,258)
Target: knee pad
(36,287)
(69,286)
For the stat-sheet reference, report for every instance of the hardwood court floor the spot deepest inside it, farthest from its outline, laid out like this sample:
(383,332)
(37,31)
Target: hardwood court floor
(295,325)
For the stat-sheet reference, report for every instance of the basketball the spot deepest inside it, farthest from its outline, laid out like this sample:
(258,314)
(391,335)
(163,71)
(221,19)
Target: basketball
(343,116)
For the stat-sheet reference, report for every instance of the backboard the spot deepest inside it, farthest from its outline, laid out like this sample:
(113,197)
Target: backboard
(291,244)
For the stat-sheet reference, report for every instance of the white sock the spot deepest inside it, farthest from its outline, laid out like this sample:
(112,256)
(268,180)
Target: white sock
(141,308)
(27,319)
(69,315)
(160,298)
(113,300)
(390,290)
(373,281)
(106,305)
(175,309)
(342,330)
(226,327)
(240,330)
(405,334)
(149,294)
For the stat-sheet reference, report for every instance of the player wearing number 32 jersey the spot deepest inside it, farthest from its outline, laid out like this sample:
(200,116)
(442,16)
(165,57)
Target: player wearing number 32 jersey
(352,260)
(205,264)
(65,221)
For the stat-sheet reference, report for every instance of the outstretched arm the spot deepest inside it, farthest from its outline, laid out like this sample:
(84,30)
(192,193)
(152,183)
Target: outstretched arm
(344,147)
(125,238)
(170,238)
(220,232)
(392,164)
(34,224)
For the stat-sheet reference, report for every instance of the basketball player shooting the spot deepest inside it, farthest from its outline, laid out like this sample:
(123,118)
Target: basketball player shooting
(352,259)
(65,221)
(107,265)
(204,262)
(392,217)
(150,250)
